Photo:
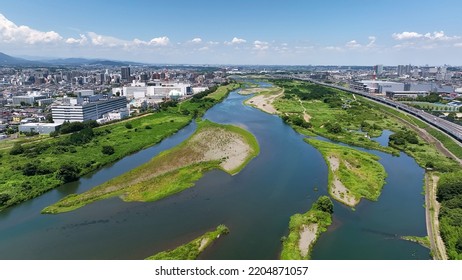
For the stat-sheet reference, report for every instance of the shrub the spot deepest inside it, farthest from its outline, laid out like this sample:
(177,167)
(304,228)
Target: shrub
(107,150)
(17,149)
(4,197)
(324,204)
(68,173)
(128,125)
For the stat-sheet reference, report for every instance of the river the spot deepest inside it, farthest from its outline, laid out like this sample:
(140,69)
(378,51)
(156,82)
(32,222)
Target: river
(255,204)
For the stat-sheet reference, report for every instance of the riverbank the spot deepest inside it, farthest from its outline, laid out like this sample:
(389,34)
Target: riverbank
(305,229)
(212,146)
(48,163)
(192,250)
(432,209)
(353,174)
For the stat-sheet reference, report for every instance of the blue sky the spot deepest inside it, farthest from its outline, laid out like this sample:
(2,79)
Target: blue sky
(340,32)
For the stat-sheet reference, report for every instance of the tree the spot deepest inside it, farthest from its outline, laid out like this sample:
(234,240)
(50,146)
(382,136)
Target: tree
(451,116)
(30,169)
(4,197)
(17,149)
(324,204)
(107,150)
(68,173)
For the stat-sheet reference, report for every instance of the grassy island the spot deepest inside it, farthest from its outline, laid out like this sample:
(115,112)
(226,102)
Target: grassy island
(304,230)
(212,146)
(353,174)
(191,250)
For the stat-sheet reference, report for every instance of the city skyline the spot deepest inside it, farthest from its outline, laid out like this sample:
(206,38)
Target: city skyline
(245,32)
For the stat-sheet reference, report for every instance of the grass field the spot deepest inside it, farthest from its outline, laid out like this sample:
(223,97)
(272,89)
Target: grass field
(192,250)
(212,146)
(359,172)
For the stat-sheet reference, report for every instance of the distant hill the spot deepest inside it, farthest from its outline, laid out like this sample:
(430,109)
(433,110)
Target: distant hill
(86,61)
(6,60)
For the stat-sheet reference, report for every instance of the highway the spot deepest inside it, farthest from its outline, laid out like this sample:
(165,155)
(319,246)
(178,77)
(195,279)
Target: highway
(446,126)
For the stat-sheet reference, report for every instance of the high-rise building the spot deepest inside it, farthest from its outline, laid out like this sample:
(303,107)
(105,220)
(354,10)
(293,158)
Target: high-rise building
(378,69)
(125,73)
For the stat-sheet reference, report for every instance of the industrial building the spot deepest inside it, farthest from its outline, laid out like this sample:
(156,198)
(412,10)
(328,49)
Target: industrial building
(82,109)
(41,128)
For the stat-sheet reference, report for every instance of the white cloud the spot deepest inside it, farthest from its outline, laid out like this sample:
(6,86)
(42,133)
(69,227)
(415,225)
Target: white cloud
(236,41)
(406,35)
(371,43)
(80,41)
(353,45)
(196,40)
(260,45)
(435,36)
(107,41)
(10,32)
(159,41)
(440,36)
(333,48)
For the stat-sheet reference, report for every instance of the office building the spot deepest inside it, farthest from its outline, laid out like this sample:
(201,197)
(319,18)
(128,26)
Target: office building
(78,111)
(125,74)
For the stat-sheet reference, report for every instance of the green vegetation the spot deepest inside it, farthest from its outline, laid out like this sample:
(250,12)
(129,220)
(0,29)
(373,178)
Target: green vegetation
(447,141)
(372,117)
(449,194)
(424,241)
(316,220)
(191,250)
(356,119)
(353,174)
(211,146)
(81,145)
(332,114)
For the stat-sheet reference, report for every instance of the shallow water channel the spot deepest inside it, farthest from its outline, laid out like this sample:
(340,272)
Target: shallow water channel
(255,204)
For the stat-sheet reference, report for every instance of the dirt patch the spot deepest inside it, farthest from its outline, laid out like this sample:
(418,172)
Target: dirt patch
(220,144)
(264,102)
(249,91)
(306,117)
(203,244)
(338,189)
(307,237)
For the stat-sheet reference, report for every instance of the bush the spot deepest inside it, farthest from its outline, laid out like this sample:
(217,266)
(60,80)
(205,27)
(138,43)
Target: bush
(324,204)
(68,173)
(107,150)
(148,127)
(333,128)
(4,198)
(17,149)
(128,125)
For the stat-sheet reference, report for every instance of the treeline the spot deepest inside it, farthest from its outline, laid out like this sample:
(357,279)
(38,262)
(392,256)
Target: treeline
(449,194)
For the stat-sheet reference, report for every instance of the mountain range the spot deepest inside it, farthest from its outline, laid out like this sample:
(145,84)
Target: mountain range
(7,60)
